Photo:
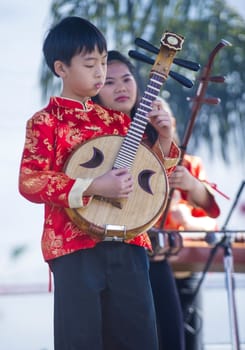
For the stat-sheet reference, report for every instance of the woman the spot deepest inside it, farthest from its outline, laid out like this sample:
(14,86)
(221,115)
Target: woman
(120,92)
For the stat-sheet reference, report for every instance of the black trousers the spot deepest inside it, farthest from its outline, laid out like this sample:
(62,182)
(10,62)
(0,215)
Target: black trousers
(103,299)
(169,313)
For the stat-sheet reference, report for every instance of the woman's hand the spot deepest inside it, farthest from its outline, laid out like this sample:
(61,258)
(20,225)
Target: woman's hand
(182,179)
(161,119)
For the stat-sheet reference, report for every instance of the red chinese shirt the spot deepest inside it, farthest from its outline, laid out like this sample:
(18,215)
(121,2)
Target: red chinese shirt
(51,135)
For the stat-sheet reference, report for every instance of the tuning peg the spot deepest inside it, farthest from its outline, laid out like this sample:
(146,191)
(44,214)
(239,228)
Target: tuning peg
(180,62)
(181,79)
(140,57)
(176,76)
(187,64)
(146,45)
(207,100)
(216,79)
(211,100)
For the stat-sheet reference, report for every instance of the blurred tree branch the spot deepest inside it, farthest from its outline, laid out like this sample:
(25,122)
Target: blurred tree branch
(203,23)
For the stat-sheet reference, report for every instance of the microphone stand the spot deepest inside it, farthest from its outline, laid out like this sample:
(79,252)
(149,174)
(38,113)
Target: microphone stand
(229,270)
(225,243)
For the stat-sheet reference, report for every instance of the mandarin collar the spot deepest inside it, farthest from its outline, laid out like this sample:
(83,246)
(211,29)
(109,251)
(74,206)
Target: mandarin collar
(69,103)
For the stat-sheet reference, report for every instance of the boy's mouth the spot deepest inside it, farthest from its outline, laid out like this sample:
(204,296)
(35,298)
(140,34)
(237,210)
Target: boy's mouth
(99,86)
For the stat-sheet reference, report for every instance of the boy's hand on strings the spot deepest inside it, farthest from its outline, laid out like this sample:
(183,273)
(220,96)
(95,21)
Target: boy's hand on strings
(116,183)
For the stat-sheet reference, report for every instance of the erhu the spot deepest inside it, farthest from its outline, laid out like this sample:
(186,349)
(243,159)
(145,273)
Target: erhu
(169,243)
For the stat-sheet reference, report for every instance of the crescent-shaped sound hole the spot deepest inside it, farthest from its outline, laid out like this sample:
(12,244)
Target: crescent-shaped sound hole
(95,161)
(144,180)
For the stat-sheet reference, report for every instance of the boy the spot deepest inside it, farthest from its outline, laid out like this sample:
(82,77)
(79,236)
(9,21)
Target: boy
(102,296)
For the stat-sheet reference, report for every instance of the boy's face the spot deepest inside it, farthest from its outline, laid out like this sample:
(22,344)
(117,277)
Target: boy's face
(85,75)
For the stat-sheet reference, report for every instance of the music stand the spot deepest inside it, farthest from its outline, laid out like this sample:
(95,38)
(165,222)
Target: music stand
(225,243)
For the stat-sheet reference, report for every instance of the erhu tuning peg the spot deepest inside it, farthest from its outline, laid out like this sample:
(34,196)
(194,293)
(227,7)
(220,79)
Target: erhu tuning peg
(216,79)
(207,100)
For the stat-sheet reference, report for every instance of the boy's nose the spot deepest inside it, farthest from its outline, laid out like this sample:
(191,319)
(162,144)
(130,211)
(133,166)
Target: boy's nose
(100,71)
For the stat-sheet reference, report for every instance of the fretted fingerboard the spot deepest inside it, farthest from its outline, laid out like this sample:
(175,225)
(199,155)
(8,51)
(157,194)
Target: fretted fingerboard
(127,152)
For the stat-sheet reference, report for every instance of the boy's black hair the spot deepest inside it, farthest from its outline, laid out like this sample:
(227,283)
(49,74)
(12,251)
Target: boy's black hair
(69,37)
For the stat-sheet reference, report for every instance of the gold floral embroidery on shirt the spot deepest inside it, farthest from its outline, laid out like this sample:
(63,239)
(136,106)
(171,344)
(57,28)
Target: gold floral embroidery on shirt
(81,115)
(34,183)
(48,144)
(71,231)
(93,127)
(31,184)
(43,118)
(54,243)
(104,115)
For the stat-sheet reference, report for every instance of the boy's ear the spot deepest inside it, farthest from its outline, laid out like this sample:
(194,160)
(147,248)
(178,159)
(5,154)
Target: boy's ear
(59,68)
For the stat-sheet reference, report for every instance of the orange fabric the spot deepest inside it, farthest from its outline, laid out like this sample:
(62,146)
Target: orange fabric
(51,135)
(195,167)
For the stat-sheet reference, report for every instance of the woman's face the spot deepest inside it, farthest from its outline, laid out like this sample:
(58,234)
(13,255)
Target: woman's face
(120,89)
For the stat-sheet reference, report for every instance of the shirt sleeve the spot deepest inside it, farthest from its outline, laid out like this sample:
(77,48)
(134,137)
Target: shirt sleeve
(169,161)
(41,179)
(195,165)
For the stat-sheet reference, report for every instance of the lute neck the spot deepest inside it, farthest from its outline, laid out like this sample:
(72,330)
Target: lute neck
(129,147)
